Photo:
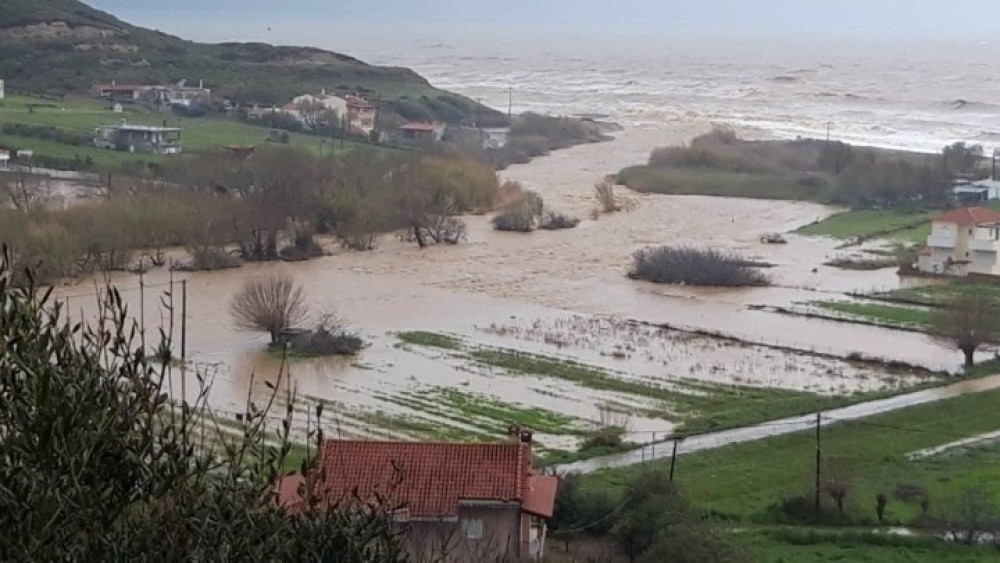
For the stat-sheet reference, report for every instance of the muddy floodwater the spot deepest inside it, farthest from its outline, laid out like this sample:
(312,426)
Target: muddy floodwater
(561,293)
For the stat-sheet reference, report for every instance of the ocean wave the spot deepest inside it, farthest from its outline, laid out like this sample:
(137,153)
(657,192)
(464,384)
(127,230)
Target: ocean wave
(961,104)
(784,78)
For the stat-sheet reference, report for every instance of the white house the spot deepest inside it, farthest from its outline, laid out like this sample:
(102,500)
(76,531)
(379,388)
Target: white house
(2,90)
(963,242)
(980,190)
(301,106)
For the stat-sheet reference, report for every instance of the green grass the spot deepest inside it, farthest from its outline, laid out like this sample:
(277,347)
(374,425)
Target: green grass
(82,115)
(431,339)
(798,546)
(887,314)
(866,224)
(722,183)
(487,413)
(699,407)
(936,294)
(743,480)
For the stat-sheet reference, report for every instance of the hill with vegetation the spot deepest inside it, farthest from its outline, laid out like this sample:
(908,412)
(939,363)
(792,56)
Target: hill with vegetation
(60,47)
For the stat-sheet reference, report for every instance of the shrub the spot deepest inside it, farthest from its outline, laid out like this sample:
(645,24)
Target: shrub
(269,303)
(521,215)
(207,258)
(552,220)
(695,266)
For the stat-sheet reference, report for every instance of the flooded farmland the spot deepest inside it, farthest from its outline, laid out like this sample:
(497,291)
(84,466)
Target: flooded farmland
(519,306)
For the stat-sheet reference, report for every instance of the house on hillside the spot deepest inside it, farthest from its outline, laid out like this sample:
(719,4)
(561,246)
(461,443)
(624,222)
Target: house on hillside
(138,138)
(179,95)
(963,242)
(460,503)
(307,108)
(115,92)
(422,131)
(360,115)
(4,159)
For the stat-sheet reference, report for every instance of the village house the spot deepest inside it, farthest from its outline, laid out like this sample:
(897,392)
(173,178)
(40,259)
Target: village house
(976,191)
(459,502)
(422,131)
(4,159)
(963,242)
(179,95)
(305,108)
(138,138)
(361,115)
(121,92)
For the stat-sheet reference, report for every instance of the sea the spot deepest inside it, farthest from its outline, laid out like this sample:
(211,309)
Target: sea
(895,92)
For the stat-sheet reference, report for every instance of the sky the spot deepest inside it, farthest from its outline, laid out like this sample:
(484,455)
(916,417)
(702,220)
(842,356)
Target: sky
(236,19)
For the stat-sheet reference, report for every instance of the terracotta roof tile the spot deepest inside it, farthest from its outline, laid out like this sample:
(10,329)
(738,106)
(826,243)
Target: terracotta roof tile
(429,479)
(969,216)
(540,496)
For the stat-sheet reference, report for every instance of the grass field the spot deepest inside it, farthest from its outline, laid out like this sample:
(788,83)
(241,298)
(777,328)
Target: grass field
(722,183)
(797,546)
(866,224)
(82,115)
(694,406)
(937,294)
(870,455)
(889,314)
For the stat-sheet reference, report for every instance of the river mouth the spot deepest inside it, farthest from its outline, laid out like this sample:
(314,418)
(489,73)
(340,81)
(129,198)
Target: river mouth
(562,294)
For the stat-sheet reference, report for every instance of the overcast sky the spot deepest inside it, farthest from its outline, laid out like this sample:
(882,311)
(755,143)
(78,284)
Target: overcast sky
(915,18)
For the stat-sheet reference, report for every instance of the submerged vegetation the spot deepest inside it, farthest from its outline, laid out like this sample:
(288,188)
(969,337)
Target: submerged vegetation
(695,266)
(270,206)
(721,164)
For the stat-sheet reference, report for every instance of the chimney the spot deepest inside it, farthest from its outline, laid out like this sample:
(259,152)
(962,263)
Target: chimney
(519,434)
(525,436)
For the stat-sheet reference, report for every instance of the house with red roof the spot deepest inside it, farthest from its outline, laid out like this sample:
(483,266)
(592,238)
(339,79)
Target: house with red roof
(460,503)
(422,131)
(963,242)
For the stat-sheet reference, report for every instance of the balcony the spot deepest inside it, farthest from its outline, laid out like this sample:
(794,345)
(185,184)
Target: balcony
(941,240)
(981,245)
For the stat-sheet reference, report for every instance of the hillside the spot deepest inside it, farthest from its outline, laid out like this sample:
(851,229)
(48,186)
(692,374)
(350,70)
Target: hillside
(63,47)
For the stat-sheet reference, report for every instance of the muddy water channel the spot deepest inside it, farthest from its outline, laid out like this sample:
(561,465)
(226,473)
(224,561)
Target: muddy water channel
(559,295)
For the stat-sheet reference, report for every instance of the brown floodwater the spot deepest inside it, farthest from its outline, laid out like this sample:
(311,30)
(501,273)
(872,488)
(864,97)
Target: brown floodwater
(496,282)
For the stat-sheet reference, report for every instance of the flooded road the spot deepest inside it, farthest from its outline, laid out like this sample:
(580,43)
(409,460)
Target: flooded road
(663,450)
(513,279)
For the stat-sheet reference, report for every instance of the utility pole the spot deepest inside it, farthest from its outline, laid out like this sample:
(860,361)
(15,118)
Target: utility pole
(510,102)
(993,175)
(673,460)
(184,318)
(828,124)
(818,457)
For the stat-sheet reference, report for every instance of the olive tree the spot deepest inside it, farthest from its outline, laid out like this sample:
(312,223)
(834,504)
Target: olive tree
(967,322)
(269,303)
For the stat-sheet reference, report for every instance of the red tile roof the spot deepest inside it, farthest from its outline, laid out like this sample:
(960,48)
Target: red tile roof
(970,216)
(540,498)
(431,479)
(359,103)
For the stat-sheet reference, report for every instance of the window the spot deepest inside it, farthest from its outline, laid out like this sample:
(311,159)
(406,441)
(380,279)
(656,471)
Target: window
(473,528)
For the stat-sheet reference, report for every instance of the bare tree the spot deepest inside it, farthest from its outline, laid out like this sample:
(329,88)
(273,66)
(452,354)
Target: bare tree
(24,191)
(269,303)
(967,322)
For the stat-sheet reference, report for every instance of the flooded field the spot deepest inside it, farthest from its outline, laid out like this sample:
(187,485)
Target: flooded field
(559,296)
